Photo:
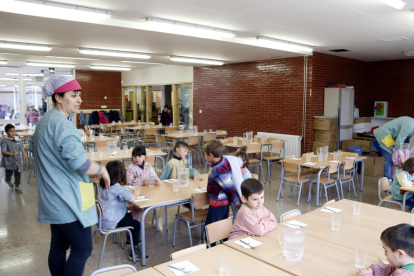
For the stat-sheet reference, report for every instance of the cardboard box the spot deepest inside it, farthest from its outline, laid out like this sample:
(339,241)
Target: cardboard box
(374,166)
(331,146)
(328,136)
(325,123)
(365,144)
(362,120)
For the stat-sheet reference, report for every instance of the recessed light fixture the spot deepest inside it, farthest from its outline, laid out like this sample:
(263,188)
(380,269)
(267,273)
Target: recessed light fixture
(111,53)
(141,62)
(26,75)
(27,79)
(397,4)
(110,68)
(60,10)
(283,45)
(409,53)
(13,79)
(3,62)
(177,27)
(394,39)
(72,58)
(52,65)
(196,60)
(24,46)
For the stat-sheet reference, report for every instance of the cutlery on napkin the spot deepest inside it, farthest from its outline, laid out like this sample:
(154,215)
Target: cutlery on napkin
(248,243)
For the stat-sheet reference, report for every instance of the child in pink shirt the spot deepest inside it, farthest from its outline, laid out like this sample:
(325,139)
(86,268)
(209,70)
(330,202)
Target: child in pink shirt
(398,245)
(396,158)
(252,218)
(140,173)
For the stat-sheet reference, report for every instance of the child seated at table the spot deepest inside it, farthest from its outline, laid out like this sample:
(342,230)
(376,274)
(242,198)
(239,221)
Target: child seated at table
(113,204)
(398,244)
(177,162)
(139,172)
(396,158)
(404,177)
(244,169)
(253,218)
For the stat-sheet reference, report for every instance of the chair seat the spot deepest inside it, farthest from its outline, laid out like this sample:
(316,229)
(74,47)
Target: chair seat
(253,160)
(312,171)
(343,177)
(388,198)
(199,214)
(325,180)
(268,156)
(119,228)
(129,139)
(295,179)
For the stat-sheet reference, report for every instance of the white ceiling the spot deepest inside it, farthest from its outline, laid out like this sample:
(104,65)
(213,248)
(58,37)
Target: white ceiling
(356,25)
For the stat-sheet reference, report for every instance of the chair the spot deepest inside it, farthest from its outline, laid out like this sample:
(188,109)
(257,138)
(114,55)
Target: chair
(383,186)
(292,175)
(149,137)
(347,175)
(257,151)
(273,155)
(218,230)
(289,215)
(162,144)
(118,270)
(222,135)
(187,251)
(329,202)
(107,232)
(89,145)
(190,217)
(195,147)
(328,181)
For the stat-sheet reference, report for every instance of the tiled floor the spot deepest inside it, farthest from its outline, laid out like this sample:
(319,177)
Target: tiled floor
(24,243)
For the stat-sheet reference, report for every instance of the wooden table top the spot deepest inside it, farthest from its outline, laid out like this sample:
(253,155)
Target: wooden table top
(164,193)
(140,127)
(120,155)
(319,164)
(186,134)
(229,142)
(407,188)
(362,231)
(208,263)
(25,133)
(145,272)
(96,139)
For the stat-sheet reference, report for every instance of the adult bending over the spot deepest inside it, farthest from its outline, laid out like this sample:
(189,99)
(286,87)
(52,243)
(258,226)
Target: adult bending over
(392,134)
(66,198)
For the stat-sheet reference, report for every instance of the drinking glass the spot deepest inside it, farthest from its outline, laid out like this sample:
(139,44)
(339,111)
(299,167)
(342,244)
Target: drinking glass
(235,140)
(336,222)
(196,176)
(100,135)
(171,124)
(255,138)
(100,153)
(308,157)
(224,267)
(360,258)
(339,153)
(175,186)
(210,131)
(151,183)
(205,131)
(357,208)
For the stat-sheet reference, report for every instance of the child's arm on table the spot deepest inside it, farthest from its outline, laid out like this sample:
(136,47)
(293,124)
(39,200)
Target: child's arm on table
(153,174)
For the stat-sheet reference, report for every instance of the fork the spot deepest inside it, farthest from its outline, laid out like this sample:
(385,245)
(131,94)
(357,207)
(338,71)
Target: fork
(179,269)
(248,244)
(329,209)
(288,223)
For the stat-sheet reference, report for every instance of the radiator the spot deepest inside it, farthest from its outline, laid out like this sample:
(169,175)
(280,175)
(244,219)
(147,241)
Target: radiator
(292,146)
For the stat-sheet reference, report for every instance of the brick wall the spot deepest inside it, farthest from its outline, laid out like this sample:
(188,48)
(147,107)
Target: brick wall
(259,96)
(97,84)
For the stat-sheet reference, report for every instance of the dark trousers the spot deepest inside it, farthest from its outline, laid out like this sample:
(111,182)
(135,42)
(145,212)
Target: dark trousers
(9,174)
(129,221)
(76,237)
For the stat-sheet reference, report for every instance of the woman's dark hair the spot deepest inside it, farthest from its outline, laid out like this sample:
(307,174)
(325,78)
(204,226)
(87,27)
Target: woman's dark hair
(401,237)
(61,95)
(244,157)
(116,171)
(251,186)
(138,151)
(408,165)
(8,127)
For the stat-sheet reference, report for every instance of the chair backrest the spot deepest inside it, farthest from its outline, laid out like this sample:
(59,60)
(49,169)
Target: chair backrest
(333,167)
(289,215)
(159,138)
(194,140)
(290,156)
(276,146)
(161,131)
(122,130)
(150,131)
(253,148)
(209,137)
(187,251)
(199,199)
(349,164)
(219,230)
(118,270)
(150,159)
(382,186)
(290,167)
(346,154)
(127,162)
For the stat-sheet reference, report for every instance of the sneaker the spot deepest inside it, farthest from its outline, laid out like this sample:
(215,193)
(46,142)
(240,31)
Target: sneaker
(128,242)
(18,190)
(10,185)
(138,255)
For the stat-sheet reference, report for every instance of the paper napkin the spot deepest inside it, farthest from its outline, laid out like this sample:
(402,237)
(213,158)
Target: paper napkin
(295,224)
(250,241)
(330,209)
(309,163)
(141,198)
(187,266)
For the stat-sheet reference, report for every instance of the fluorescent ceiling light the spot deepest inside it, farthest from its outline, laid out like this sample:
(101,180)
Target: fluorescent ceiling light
(177,27)
(51,65)
(8,79)
(24,46)
(59,10)
(409,53)
(397,4)
(26,75)
(2,62)
(141,62)
(111,68)
(196,60)
(72,58)
(283,45)
(112,53)
(27,79)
